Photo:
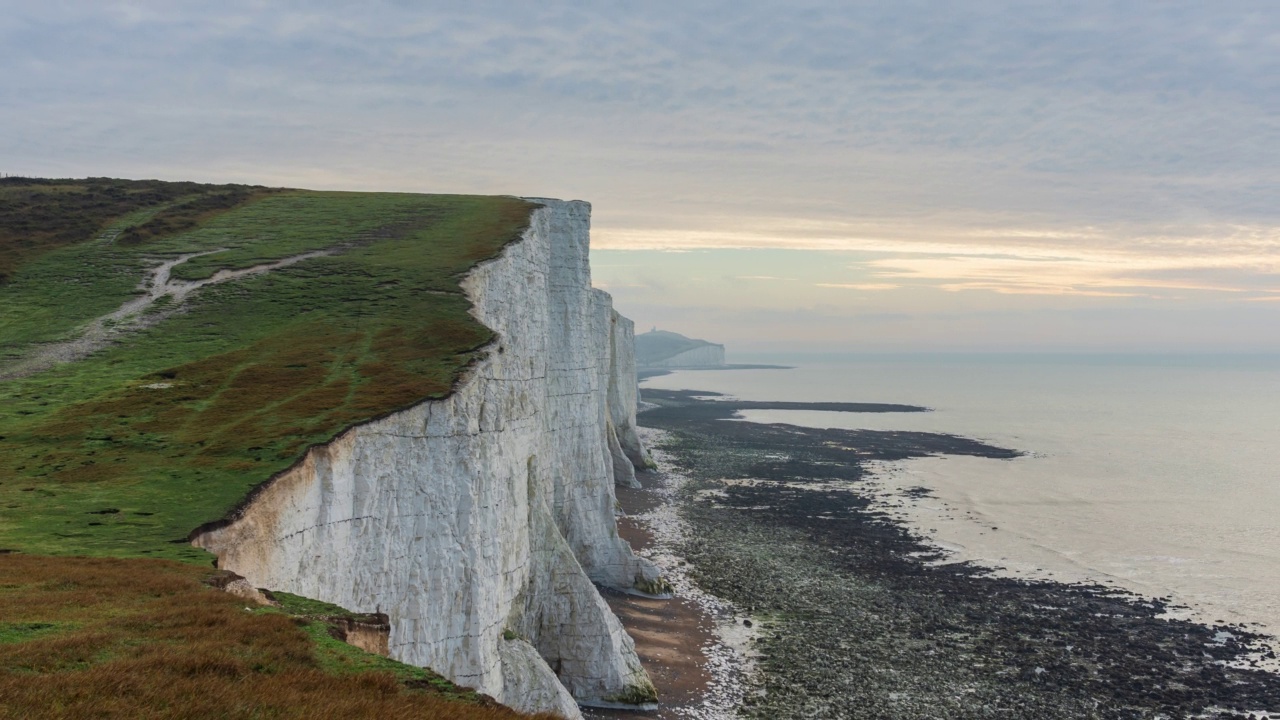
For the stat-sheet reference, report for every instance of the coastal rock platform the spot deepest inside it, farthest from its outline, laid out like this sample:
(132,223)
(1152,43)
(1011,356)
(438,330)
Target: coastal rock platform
(857,618)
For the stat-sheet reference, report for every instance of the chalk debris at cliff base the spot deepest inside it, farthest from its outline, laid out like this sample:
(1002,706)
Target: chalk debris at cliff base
(696,646)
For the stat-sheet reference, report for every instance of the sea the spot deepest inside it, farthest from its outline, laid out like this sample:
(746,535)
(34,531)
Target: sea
(1158,474)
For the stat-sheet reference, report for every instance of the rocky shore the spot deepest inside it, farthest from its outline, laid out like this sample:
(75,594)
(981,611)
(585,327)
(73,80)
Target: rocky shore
(694,645)
(854,617)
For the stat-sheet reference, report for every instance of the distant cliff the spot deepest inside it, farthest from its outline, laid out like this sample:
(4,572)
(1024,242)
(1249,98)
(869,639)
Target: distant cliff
(478,523)
(663,349)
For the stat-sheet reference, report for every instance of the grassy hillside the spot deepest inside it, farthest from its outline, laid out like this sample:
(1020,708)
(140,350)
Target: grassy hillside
(41,215)
(131,639)
(125,451)
(131,415)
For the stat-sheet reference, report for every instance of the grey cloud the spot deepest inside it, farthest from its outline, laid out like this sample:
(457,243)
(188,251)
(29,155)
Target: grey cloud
(1096,111)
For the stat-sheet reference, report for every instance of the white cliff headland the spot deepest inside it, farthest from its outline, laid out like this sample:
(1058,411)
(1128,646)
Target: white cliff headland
(480,523)
(662,349)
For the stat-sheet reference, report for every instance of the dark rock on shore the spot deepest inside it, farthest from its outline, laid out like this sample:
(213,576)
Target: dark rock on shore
(860,619)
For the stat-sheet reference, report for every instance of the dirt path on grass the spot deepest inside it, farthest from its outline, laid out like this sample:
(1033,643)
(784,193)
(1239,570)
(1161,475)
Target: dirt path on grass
(138,313)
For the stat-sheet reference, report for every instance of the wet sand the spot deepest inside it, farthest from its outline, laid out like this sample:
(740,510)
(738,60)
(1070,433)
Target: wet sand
(695,646)
(670,634)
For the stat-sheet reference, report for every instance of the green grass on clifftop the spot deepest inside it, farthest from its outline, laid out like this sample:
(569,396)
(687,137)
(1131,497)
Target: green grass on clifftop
(125,452)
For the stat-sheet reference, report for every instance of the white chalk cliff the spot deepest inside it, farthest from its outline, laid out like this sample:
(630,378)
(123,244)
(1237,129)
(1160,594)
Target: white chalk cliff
(479,523)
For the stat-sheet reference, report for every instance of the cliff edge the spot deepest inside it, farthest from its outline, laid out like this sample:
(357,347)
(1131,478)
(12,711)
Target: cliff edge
(479,522)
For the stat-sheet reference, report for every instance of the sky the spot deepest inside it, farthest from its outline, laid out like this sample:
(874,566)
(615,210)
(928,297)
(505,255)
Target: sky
(1089,176)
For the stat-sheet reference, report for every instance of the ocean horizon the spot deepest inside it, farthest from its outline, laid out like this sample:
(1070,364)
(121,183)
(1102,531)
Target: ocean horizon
(1149,472)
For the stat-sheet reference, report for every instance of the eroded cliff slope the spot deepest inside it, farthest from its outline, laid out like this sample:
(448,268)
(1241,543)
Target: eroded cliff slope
(479,522)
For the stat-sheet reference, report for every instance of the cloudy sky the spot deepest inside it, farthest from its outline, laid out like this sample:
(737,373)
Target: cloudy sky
(978,175)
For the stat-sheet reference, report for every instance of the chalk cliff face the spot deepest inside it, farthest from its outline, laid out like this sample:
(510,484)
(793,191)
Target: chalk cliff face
(479,522)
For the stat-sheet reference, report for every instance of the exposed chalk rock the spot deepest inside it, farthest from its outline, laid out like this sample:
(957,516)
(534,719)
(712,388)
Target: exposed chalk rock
(479,522)
(527,677)
(371,634)
(624,399)
(234,584)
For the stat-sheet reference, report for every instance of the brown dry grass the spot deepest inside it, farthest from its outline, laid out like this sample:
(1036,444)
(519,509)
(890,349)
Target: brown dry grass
(190,214)
(38,215)
(144,639)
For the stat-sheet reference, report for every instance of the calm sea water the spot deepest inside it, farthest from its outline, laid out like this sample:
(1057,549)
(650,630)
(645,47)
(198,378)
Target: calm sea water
(1157,474)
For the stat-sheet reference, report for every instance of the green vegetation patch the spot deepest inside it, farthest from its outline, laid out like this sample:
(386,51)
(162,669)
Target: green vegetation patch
(12,632)
(337,657)
(305,607)
(636,695)
(127,451)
